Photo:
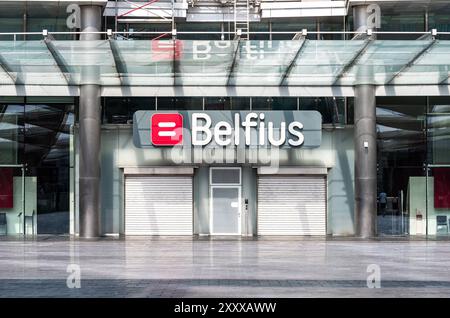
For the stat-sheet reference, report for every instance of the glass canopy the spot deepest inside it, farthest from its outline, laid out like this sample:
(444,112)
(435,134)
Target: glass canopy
(224,63)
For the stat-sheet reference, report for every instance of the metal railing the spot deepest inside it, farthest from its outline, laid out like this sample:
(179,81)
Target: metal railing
(110,33)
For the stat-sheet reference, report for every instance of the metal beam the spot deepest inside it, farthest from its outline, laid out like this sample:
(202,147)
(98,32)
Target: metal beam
(118,64)
(353,61)
(234,62)
(288,69)
(444,78)
(407,66)
(8,70)
(60,63)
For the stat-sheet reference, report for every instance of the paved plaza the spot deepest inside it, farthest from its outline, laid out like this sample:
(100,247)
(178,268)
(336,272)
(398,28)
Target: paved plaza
(186,267)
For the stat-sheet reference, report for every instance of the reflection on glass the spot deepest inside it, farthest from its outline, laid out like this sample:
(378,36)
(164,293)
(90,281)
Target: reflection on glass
(35,133)
(180,103)
(217,103)
(120,110)
(332,109)
(438,124)
(401,156)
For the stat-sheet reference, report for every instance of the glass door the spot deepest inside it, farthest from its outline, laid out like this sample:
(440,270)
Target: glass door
(226,212)
(401,155)
(225,200)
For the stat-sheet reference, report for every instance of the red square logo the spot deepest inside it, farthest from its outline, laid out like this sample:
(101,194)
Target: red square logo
(167,129)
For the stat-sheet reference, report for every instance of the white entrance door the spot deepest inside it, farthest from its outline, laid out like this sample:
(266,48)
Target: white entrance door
(291,205)
(158,205)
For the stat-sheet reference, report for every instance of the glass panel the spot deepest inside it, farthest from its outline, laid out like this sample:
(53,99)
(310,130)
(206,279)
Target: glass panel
(147,62)
(30,62)
(439,20)
(180,103)
(240,103)
(274,103)
(439,130)
(260,27)
(403,21)
(217,103)
(11,132)
(321,61)
(199,26)
(90,62)
(47,154)
(332,109)
(36,132)
(228,176)
(332,24)
(120,110)
(431,68)
(165,30)
(225,205)
(206,62)
(400,160)
(10,24)
(293,25)
(382,60)
(55,24)
(263,62)
(438,182)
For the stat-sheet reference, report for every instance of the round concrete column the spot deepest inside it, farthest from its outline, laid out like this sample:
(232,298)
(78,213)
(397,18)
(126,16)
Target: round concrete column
(365,161)
(360,16)
(89,134)
(365,146)
(91,21)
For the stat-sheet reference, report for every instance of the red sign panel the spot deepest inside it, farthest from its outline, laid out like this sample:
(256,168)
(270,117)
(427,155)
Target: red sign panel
(163,50)
(6,188)
(441,188)
(167,129)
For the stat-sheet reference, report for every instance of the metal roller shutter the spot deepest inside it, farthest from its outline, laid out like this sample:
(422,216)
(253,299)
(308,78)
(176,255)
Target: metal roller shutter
(291,205)
(156,205)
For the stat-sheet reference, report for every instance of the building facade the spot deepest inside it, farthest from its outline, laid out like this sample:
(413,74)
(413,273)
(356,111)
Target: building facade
(225,117)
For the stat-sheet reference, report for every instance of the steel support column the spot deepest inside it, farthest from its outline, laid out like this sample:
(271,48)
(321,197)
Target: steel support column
(89,137)
(365,161)
(365,147)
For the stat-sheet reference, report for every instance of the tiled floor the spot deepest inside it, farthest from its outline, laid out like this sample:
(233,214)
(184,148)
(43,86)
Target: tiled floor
(183,267)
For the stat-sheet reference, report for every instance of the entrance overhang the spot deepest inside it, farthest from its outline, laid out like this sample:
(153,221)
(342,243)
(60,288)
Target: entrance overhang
(225,68)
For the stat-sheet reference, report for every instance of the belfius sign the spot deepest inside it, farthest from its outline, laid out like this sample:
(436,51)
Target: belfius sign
(227,129)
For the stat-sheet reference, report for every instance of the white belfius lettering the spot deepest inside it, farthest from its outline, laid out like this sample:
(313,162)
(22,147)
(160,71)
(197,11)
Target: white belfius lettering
(224,134)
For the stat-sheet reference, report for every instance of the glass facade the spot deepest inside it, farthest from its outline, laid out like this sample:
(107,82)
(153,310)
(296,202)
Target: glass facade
(33,17)
(413,165)
(121,110)
(413,133)
(36,135)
